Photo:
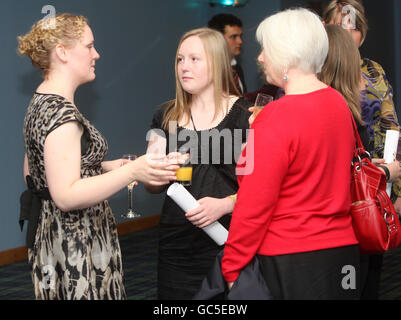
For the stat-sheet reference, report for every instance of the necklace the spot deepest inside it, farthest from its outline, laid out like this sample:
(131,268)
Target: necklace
(193,123)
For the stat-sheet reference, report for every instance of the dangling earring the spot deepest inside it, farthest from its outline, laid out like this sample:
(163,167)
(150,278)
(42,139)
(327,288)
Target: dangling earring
(285,77)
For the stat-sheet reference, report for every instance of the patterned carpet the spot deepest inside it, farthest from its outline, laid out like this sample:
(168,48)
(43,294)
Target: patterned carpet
(139,250)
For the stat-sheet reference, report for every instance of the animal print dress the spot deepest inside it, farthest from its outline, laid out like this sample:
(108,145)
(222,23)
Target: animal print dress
(76,254)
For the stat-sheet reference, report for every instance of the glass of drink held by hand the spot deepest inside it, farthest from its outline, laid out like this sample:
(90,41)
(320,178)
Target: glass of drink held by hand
(262,99)
(184,173)
(131,214)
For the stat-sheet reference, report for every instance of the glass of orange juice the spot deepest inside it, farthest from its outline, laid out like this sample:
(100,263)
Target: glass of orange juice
(184,173)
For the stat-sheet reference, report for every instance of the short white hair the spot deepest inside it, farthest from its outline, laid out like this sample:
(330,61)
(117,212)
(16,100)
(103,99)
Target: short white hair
(294,38)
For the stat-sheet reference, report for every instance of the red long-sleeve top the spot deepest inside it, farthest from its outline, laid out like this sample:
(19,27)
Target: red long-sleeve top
(294,191)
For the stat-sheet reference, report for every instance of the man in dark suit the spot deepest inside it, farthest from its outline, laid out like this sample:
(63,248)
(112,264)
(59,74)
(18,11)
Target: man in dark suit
(231,27)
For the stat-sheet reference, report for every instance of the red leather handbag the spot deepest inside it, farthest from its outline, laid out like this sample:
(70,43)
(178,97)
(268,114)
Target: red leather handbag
(374,219)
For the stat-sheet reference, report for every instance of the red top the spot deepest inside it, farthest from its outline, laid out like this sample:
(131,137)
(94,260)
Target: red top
(294,194)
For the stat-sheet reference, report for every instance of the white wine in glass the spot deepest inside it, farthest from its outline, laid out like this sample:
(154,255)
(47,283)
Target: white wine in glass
(131,214)
(261,101)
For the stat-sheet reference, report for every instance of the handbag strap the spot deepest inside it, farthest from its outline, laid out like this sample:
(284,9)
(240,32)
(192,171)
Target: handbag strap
(359,148)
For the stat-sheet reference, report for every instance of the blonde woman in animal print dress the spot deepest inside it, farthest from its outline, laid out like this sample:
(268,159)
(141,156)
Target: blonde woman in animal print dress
(75,253)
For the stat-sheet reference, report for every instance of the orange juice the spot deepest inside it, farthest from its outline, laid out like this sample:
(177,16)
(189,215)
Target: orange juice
(184,175)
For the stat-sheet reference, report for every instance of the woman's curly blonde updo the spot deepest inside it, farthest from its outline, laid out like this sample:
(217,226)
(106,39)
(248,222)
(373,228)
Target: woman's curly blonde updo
(44,35)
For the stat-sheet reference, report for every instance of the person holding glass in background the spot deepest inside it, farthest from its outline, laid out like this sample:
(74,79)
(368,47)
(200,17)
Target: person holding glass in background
(378,109)
(293,209)
(342,71)
(378,113)
(75,253)
(207,103)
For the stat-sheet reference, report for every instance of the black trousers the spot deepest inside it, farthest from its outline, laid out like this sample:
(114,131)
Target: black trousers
(371,266)
(330,274)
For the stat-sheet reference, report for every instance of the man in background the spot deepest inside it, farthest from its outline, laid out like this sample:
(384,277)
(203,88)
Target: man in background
(231,27)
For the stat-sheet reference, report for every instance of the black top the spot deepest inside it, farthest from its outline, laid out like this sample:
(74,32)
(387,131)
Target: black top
(214,164)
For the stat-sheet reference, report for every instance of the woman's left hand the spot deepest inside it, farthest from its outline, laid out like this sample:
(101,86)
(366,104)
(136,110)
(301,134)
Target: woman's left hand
(394,168)
(209,211)
(378,161)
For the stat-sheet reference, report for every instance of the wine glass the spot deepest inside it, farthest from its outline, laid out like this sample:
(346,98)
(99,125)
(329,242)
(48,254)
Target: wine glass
(262,99)
(131,214)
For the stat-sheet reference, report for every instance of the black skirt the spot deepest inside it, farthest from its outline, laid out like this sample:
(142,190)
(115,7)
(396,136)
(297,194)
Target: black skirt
(186,254)
(330,274)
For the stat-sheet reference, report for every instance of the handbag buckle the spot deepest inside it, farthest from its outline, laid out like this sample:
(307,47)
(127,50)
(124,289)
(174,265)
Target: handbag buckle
(385,217)
(357,164)
(390,225)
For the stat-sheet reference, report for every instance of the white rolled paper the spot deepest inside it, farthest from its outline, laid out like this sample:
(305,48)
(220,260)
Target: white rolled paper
(187,202)
(390,151)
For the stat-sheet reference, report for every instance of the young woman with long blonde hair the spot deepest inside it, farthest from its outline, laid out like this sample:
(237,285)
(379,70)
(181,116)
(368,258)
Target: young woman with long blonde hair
(206,104)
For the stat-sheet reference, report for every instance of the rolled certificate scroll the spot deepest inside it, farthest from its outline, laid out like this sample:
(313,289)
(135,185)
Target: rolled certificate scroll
(390,151)
(187,202)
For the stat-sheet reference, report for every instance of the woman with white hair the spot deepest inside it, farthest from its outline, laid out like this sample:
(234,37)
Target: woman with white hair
(293,209)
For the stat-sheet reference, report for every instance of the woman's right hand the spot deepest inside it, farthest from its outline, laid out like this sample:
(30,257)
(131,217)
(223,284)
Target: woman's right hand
(255,111)
(154,169)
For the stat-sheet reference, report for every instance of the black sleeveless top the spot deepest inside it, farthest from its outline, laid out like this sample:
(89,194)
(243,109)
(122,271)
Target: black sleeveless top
(214,154)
